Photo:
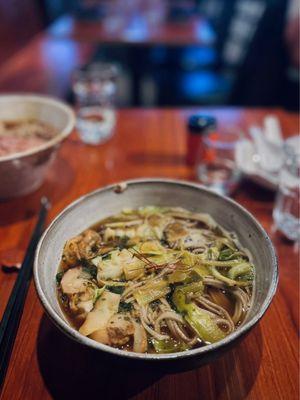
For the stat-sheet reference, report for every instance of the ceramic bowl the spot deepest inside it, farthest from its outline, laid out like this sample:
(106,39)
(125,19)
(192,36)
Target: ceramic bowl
(23,172)
(161,192)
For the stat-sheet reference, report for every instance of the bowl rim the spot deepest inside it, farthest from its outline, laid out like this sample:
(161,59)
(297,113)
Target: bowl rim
(74,334)
(44,100)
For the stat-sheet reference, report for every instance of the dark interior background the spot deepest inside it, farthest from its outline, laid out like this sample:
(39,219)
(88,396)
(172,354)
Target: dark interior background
(248,59)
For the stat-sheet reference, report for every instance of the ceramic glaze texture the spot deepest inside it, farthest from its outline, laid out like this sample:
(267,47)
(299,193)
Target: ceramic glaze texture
(102,203)
(21,173)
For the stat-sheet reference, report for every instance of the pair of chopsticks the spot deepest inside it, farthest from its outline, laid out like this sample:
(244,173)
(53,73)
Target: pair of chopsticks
(13,311)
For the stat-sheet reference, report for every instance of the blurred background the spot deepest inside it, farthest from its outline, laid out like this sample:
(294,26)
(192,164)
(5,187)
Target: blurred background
(168,53)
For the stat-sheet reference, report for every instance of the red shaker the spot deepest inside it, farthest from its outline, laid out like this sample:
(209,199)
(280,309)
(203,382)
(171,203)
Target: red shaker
(198,125)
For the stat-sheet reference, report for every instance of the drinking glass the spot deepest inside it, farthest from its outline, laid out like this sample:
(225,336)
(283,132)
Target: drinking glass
(216,167)
(94,89)
(286,211)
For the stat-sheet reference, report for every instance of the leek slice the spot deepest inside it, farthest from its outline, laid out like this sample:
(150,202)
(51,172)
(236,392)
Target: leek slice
(169,346)
(202,321)
(240,270)
(151,291)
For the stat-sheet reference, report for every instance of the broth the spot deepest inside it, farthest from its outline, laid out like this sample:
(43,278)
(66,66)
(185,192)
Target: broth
(23,134)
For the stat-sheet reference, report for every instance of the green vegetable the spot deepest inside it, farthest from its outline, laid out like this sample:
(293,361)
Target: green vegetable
(240,270)
(227,243)
(157,254)
(98,292)
(112,283)
(133,267)
(151,248)
(201,270)
(124,307)
(127,211)
(213,253)
(116,289)
(169,346)
(58,277)
(225,254)
(228,281)
(89,268)
(148,210)
(200,320)
(152,291)
(177,276)
(188,259)
(225,264)
(191,287)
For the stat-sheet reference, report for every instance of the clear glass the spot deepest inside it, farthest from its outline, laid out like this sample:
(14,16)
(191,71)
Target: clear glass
(286,211)
(95,91)
(216,167)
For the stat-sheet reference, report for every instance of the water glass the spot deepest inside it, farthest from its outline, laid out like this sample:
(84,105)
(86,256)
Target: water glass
(216,167)
(286,211)
(94,89)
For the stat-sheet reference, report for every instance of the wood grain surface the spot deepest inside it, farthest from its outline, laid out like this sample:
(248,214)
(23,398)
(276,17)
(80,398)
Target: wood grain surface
(44,66)
(45,364)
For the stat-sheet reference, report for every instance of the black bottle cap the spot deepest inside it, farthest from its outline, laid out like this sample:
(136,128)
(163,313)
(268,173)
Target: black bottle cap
(199,124)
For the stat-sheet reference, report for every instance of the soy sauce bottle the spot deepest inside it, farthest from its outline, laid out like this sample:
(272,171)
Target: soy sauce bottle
(198,125)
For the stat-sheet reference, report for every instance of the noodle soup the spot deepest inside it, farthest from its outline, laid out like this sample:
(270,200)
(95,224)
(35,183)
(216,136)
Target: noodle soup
(155,280)
(23,134)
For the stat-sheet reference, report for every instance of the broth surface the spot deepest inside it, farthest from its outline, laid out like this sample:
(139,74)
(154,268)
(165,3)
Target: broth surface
(23,134)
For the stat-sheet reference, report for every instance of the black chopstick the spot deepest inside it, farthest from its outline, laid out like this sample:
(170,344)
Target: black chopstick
(13,311)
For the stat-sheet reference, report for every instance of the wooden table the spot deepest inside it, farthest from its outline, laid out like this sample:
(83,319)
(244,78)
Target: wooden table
(45,364)
(44,66)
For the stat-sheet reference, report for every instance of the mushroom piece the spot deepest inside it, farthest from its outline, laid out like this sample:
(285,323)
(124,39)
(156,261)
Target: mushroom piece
(79,308)
(79,289)
(175,231)
(72,282)
(83,246)
(178,236)
(194,240)
(119,328)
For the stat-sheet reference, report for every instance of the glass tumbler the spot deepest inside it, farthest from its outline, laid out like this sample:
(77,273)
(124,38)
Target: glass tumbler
(286,211)
(216,167)
(94,89)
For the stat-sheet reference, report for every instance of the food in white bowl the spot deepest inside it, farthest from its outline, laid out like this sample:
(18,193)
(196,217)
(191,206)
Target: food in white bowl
(111,200)
(31,130)
(23,134)
(155,280)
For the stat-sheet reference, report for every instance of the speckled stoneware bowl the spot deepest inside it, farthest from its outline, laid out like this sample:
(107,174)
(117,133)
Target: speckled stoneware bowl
(161,192)
(23,172)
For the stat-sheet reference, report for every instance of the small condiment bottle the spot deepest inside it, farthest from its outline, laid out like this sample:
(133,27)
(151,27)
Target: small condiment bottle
(198,125)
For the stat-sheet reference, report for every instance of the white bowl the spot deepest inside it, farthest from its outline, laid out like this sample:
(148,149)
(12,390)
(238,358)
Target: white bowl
(23,172)
(94,206)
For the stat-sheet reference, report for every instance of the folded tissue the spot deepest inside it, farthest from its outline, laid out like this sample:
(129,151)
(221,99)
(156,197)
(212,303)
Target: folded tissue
(261,156)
